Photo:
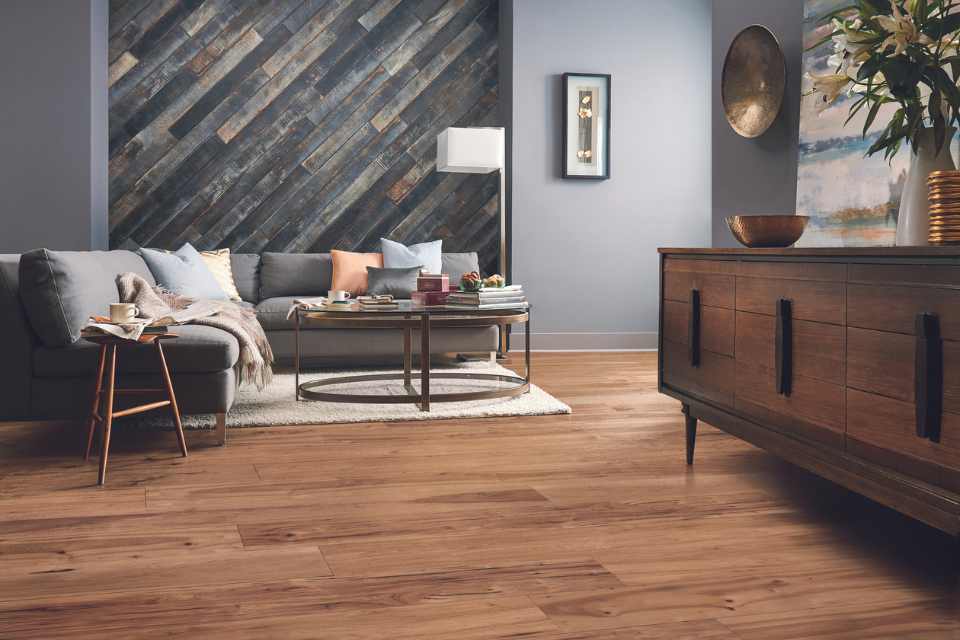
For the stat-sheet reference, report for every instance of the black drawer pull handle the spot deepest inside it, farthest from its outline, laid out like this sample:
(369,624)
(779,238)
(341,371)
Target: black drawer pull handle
(693,337)
(784,347)
(928,376)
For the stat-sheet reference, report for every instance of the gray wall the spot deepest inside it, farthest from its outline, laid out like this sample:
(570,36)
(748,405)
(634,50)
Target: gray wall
(587,251)
(53,127)
(758,175)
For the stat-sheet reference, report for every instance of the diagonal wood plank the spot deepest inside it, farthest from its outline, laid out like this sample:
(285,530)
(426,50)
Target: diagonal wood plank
(297,125)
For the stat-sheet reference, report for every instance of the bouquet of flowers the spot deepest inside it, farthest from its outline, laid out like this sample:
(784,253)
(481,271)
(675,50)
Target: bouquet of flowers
(900,52)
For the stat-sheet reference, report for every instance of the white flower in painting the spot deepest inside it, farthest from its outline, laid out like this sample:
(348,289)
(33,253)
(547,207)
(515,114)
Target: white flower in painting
(901,29)
(828,88)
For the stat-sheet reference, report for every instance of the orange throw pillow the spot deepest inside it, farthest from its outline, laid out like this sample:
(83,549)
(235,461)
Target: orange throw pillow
(350,270)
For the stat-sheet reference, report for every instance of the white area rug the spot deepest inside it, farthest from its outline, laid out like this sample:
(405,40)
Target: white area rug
(277,405)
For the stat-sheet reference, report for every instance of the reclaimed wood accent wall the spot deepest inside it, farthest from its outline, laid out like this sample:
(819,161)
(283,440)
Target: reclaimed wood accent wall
(299,125)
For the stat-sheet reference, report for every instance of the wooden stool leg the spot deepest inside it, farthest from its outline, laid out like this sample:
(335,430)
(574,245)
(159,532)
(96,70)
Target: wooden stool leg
(108,412)
(174,409)
(98,388)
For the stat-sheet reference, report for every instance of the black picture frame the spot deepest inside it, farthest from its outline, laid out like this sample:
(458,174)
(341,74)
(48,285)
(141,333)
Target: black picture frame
(569,111)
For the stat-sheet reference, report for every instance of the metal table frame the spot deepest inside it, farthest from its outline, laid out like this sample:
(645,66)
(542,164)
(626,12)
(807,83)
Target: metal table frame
(407,320)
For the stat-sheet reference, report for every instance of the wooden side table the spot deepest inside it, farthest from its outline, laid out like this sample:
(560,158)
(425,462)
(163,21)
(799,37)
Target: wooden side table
(103,395)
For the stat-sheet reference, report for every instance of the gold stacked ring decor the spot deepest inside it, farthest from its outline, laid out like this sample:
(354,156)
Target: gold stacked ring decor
(944,195)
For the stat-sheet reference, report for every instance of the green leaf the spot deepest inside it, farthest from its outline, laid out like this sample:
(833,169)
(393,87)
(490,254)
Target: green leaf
(871,116)
(855,108)
(939,27)
(902,77)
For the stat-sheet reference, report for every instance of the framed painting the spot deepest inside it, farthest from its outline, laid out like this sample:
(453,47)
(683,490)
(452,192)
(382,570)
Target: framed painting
(586,126)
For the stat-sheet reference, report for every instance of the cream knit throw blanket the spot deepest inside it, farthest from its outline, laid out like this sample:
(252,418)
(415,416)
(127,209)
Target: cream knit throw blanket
(256,357)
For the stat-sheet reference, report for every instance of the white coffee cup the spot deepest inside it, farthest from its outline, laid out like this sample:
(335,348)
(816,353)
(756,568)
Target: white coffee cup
(121,312)
(338,295)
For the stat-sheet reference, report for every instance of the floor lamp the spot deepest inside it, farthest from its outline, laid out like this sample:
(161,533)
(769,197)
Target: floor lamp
(479,150)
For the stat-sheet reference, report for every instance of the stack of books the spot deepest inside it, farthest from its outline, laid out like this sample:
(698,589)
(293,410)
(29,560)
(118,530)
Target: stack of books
(377,303)
(432,290)
(511,297)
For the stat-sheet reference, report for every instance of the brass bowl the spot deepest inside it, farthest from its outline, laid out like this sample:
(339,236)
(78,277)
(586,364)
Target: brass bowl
(753,81)
(767,231)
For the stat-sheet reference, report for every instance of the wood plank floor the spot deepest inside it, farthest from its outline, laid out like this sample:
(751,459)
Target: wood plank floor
(542,528)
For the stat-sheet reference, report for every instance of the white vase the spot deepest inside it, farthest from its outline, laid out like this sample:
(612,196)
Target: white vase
(913,221)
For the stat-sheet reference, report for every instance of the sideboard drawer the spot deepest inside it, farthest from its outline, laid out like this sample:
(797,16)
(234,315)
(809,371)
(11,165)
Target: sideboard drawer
(817,301)
(712,379)
(882,363)
(895,307)
(817,347)
(882,430)
(714,280)
(814,409)
(716,326)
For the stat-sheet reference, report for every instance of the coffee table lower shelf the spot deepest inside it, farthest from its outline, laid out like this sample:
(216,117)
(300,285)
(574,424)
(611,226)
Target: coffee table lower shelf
(406,321)
(308,390)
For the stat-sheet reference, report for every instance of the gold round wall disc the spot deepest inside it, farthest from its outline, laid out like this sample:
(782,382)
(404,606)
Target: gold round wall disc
(752,82)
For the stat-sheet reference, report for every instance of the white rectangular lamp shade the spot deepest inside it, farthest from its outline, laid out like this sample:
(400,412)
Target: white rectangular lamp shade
(470,150)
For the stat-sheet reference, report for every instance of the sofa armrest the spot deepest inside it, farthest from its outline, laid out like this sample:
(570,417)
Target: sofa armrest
(17,342)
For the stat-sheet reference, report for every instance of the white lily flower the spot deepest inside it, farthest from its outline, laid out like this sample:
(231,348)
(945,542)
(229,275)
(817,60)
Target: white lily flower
(850,39)
(828,88)
(902,30)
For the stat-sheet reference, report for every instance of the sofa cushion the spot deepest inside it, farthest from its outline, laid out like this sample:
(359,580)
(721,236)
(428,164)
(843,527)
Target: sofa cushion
(183,272)
(60,290)
(272,313)
(425,255)
(295,274)
(246,275)
(197,349)
(399,282)
(457,264)
(350,270)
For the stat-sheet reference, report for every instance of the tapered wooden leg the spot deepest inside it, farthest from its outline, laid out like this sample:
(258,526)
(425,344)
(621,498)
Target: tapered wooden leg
(220,428)
(691,427)
(108,412)
(94,411)
(174,409)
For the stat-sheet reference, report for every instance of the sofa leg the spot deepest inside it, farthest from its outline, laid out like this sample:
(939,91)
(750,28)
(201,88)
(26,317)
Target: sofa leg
(221,429)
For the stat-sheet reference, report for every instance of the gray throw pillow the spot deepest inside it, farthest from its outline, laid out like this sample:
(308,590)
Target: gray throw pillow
(60,290)
(183,272)
(295,274)
(399,283)
(425,255)
(457,264)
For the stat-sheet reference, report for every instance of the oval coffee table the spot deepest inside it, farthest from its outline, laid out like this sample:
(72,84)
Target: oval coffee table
(405,319)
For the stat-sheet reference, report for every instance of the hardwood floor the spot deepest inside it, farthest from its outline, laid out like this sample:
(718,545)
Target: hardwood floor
(543,528)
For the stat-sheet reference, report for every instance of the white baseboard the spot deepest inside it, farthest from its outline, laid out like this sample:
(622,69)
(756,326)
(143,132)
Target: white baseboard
(586,341)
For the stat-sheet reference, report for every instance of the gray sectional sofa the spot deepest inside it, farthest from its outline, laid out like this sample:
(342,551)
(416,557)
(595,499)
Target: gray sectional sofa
(39,381)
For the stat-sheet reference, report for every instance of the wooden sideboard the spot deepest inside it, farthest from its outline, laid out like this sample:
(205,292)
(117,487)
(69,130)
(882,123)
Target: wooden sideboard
(843,361)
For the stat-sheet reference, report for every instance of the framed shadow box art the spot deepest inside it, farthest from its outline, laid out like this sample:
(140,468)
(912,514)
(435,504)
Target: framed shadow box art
(586,126)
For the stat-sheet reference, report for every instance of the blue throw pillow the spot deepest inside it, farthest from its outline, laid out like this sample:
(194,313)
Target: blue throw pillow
(427,255)
(183,272)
